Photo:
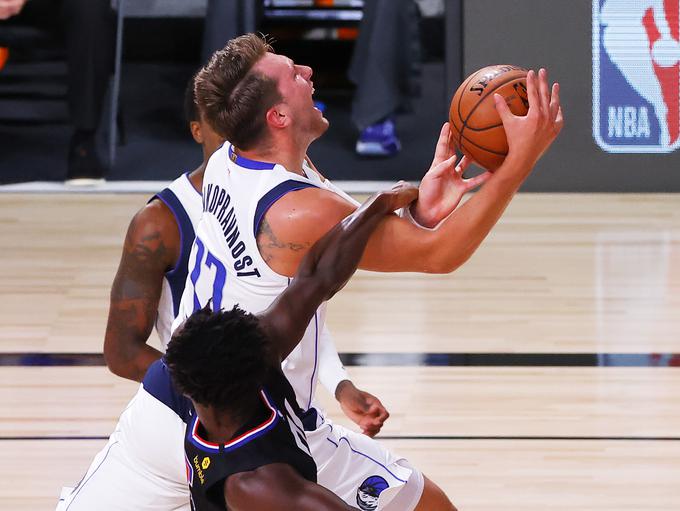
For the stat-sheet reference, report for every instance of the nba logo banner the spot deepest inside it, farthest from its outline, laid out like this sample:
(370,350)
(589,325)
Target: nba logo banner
(636,75)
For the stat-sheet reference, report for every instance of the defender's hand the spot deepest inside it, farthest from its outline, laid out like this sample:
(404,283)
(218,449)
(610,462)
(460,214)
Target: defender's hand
(531,135)
(400,195)
(363,408)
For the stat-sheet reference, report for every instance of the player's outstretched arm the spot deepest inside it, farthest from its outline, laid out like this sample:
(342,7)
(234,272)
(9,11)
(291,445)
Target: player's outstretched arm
(278,486)
(327,267)
(299,218)
(151,248)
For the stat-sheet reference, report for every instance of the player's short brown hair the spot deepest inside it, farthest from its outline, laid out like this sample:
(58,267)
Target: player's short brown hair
(232,98)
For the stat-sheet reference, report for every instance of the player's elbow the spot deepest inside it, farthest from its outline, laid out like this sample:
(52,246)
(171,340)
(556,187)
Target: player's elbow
(117,362)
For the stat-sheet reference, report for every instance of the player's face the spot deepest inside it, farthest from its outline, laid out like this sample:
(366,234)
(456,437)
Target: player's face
(296,87)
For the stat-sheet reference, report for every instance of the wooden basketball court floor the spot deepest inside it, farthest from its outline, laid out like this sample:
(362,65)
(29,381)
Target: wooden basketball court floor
(541,375)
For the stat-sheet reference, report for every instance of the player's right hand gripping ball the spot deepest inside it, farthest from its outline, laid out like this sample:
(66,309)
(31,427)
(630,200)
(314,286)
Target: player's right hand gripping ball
(476,127)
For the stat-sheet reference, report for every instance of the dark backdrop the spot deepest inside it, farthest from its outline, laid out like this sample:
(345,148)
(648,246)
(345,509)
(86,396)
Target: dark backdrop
(557,34)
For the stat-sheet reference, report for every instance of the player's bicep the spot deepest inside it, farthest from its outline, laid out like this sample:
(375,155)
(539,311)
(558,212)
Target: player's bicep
(295,222)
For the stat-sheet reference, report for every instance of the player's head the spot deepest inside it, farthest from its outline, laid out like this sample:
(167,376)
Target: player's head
(200,129)
(252,96)
(219,359)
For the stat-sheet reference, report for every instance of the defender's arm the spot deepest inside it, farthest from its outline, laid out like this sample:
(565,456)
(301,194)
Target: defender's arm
(151,248)
(328,265)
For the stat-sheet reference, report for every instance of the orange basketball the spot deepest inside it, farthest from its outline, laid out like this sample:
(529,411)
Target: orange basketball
(476,127)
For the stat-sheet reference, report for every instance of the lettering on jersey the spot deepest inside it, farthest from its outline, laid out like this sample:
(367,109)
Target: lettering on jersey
(199,470)
(217,202)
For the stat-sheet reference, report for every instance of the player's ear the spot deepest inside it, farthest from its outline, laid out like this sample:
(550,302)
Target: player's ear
(195,128)
(278,116)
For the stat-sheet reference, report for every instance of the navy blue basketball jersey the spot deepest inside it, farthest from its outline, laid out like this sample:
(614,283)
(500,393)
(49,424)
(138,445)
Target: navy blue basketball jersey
(274,434)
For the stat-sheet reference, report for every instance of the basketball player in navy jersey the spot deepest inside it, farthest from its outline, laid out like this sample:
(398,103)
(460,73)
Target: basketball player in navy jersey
(153,270)
(245,447)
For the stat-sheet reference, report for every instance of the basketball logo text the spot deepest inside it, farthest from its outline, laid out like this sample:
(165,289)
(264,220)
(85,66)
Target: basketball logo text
(636,75)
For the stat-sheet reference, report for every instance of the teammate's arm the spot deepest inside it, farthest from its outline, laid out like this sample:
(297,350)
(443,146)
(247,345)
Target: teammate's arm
(151,248)
(327,267)
(299,218)
(278,486)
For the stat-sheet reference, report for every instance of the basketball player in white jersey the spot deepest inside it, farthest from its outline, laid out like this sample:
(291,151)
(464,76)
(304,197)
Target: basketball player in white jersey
(132,469)
(264,206)
(342,458)
(153,270)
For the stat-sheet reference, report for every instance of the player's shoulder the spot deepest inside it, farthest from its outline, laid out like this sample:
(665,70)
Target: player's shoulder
(155,228)
(262,485)
(153,217)
(309,206)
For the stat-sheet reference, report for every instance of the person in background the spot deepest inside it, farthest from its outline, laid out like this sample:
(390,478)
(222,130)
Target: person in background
(88,30)
(384,69)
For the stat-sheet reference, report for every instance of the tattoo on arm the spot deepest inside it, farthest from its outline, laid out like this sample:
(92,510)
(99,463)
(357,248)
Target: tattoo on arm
(268,243)
(134,301)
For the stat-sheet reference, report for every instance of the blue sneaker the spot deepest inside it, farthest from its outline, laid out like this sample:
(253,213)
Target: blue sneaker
(379,139)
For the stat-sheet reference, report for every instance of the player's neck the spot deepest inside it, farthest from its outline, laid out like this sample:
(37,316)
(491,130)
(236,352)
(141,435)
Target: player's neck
(219,425)
(284,151)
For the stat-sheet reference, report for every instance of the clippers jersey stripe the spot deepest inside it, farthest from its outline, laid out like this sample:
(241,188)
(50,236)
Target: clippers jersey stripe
(178,275)
(273,195)
(242,439)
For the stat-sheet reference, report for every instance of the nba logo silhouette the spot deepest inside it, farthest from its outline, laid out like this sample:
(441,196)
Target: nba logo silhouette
(636,75)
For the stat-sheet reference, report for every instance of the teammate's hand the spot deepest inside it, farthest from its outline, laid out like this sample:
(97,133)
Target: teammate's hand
(400,195)
(443,186)
(9,8)
(363,408)
(530,136)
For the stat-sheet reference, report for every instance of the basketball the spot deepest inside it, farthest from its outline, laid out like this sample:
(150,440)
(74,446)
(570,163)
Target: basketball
(476,127)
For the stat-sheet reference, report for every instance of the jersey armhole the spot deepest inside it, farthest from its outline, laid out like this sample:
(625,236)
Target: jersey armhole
(268,199)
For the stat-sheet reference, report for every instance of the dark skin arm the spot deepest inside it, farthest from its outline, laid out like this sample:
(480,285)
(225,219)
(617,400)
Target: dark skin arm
(278,486)
(327,267)
(152,247)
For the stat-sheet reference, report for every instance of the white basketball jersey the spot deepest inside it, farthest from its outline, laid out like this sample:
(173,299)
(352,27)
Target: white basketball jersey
(185,203)
(225,265)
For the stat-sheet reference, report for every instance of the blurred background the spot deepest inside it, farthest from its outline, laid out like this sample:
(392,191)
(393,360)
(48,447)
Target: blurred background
(621,119)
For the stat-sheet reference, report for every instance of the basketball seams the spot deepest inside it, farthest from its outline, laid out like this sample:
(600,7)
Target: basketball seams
(488,95)
(460,99)
(474,108)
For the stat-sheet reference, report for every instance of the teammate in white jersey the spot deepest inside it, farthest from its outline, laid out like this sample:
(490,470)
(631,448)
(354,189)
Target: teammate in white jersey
(264,206)
(152,270)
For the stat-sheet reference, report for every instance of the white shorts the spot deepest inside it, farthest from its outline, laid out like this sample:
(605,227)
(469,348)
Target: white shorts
(142,466)
(361,471)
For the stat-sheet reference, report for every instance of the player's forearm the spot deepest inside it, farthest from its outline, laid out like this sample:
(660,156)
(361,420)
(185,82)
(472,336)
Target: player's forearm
(131,364)
(459,236)
(125,350)
(331,370)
